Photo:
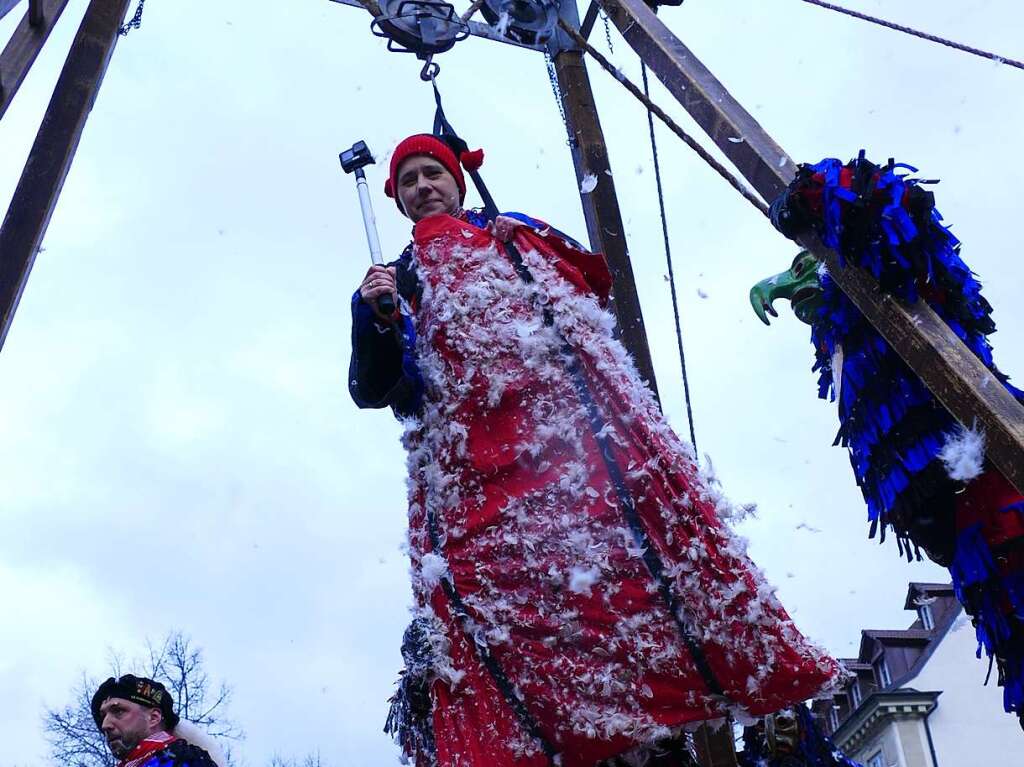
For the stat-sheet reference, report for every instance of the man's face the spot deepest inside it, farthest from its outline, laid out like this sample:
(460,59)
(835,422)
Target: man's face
(125,724)
(426,188)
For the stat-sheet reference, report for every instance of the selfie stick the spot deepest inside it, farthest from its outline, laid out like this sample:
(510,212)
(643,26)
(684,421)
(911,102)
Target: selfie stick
(353,161)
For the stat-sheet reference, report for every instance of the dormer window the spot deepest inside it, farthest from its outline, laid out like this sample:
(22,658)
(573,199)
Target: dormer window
(924,612)
(882,674)
(833,718)
(855,696)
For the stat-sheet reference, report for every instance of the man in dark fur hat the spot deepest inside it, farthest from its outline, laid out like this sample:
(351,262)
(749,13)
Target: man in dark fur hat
(136,716)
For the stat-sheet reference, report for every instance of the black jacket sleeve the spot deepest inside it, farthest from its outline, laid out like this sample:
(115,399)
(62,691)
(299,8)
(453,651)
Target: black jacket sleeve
(382,370)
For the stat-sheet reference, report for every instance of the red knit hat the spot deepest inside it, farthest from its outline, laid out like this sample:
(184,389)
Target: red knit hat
(432,146)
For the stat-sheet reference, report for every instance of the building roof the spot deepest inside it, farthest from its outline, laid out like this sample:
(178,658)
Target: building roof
(855,664)
(874,642)
(917,589)
(890,637)
(899,635)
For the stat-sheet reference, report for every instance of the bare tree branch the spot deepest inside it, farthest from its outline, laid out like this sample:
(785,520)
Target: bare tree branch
(311,759)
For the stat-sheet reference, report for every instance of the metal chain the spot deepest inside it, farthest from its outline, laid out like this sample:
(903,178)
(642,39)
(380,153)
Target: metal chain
(553,77)
(916,33)
(607,32)
(134,22)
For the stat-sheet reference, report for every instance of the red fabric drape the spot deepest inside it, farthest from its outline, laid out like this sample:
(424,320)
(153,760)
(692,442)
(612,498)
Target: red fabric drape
(534,537)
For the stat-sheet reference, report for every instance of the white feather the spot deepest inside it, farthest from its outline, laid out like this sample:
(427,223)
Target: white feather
(963,454)
(186,730)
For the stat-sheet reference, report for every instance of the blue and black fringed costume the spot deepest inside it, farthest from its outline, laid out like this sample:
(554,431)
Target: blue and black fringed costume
(884,222)
(811,749)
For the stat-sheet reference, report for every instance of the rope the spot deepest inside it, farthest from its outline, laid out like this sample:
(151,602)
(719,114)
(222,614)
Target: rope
(916,33)
(722,171)
(668,261)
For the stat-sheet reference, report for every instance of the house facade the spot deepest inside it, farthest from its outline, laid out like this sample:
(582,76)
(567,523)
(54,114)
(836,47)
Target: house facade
(917,696)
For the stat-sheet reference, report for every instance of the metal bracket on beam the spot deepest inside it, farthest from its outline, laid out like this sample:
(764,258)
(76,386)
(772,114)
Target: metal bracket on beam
(561,42)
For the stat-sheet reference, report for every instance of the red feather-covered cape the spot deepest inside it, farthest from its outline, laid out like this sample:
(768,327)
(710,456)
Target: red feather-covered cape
(531,532)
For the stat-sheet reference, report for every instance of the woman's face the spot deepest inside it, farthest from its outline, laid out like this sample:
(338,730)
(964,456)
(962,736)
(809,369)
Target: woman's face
(426,188)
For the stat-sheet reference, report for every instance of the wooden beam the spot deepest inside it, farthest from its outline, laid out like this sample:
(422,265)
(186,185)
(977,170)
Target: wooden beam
(601,205)
(949,369)
(761,161)
(36,12)
(50,158)
(6,6)
(589,20)
(24,46)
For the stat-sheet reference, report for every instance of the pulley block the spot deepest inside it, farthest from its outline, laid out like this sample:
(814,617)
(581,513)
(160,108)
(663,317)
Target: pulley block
(531,22)
(423,27)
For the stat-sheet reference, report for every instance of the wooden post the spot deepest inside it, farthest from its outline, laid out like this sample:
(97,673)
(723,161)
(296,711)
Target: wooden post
(24,46)
(715,746)
(601,205)
(50,158)
(955,376)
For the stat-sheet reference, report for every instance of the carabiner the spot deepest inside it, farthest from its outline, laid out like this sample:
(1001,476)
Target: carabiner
(430,69)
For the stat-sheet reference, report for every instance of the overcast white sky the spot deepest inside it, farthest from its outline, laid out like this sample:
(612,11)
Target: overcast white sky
(179,450)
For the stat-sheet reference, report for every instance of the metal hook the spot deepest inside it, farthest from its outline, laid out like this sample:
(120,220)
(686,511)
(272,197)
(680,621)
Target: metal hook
(430,69)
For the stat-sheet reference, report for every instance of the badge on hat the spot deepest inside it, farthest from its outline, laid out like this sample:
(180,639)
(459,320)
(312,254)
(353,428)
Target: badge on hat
(138,689)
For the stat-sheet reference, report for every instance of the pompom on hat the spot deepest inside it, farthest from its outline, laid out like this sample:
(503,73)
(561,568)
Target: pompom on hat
(139,690)
(436,147)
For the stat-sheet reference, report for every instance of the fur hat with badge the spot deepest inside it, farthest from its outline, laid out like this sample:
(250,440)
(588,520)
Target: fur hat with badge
(137,689)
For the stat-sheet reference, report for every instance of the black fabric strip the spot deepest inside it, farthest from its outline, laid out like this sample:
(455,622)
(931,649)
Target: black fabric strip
(636,525)
(490,663)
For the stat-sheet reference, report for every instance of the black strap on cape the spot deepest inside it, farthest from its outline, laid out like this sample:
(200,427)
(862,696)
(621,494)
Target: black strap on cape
(502,681)
(444,130)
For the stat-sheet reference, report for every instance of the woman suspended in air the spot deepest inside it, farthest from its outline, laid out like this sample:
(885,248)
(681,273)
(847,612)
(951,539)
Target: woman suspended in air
(578,596)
